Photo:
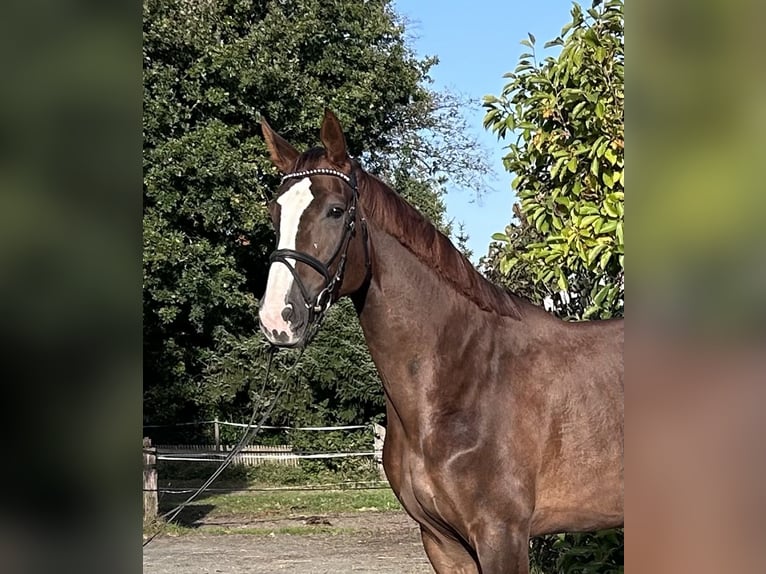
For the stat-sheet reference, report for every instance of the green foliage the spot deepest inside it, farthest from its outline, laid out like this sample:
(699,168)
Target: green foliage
(338,375)
(341,468)
(311,474)
(580,553)
(335,381)
(502,266)
(567,113)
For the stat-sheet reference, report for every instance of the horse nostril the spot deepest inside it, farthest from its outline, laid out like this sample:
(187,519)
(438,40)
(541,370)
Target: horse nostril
(287,313)
(279,336)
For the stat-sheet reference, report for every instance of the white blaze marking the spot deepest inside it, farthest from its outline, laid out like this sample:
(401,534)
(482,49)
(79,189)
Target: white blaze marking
(293,203)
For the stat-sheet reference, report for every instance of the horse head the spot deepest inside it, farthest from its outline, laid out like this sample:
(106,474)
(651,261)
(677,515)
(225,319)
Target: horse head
(321,252)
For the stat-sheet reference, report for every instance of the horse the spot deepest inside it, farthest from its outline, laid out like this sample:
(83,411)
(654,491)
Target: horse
(503,421)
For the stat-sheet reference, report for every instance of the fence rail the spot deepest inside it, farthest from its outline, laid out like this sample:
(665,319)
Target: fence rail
(252,455)
(267,427)
(249,456)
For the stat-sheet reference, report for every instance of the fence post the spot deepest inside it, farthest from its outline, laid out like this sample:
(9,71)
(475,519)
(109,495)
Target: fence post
(150,481)
(379,433)
(217,434)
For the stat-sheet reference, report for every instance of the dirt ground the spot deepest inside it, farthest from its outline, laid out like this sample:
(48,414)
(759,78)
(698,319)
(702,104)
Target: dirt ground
(366,543)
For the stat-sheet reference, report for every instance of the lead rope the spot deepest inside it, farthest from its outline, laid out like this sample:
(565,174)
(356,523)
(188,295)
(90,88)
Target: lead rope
(248,434)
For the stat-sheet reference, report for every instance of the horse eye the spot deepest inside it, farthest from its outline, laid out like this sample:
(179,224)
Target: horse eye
(335,212)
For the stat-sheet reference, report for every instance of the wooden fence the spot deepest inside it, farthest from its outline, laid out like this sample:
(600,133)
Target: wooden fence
(252,455)
(150,481)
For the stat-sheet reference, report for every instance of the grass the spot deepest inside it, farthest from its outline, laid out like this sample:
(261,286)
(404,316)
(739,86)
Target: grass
(273,505)
(269,494)
(285,503)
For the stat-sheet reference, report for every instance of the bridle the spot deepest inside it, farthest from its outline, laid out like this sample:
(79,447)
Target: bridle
(318,305)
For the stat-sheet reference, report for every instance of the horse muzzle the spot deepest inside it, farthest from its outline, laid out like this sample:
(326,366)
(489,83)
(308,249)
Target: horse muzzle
(286,327)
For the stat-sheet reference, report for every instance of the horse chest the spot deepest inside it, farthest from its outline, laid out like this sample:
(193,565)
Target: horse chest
(420,496)
(422,492)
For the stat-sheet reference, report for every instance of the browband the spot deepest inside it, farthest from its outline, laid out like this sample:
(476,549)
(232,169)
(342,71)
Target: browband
(351,180)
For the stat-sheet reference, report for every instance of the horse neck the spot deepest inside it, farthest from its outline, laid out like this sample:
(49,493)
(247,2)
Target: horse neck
(407,311)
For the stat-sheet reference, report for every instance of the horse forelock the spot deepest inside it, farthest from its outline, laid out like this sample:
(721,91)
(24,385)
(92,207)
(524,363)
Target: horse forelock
(388,210)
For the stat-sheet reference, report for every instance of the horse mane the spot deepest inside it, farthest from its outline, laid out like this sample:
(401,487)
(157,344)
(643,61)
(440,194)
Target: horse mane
(430,246)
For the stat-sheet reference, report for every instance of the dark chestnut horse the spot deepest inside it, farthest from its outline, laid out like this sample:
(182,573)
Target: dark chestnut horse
(504,422)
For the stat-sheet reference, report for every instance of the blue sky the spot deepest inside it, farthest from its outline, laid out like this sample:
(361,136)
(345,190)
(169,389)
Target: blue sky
(478,42)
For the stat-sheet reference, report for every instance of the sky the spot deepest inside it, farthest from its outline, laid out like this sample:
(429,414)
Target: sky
(478,42)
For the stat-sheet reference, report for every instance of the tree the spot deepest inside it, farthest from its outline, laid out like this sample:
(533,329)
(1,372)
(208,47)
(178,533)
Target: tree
(210,70)
(567,113)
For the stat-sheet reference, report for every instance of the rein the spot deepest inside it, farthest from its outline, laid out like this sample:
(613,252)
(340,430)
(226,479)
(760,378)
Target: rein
(319,304)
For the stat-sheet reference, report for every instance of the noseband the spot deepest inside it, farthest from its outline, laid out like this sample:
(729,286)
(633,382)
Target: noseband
(317,306)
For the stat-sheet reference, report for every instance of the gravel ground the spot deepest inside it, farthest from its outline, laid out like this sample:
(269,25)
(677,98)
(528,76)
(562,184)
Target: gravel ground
(367,543)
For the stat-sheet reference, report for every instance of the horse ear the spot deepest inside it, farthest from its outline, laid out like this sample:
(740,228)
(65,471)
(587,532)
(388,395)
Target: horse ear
(332,138)
(283,155)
